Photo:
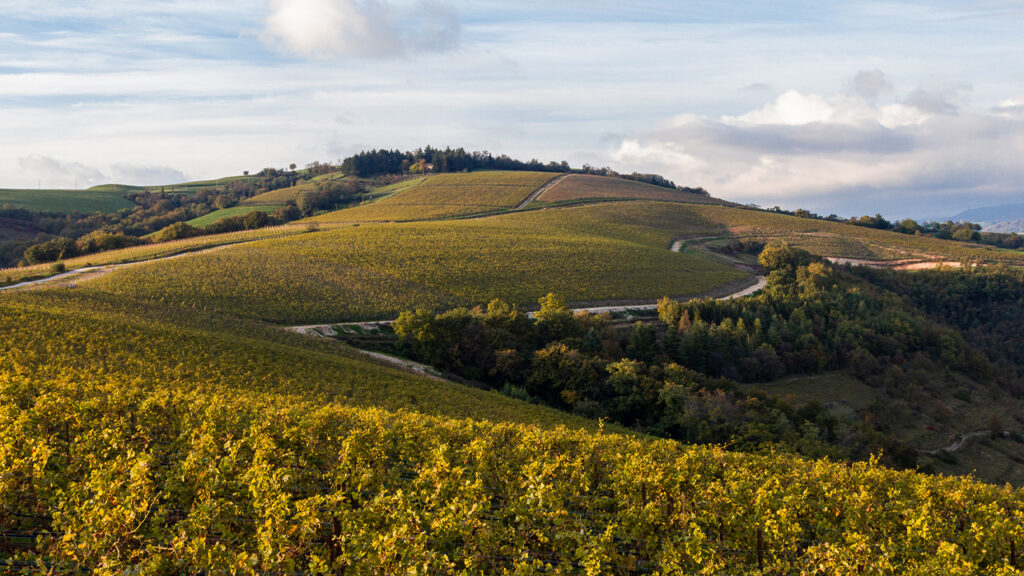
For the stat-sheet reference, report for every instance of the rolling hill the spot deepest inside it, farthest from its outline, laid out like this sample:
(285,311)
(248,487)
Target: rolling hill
(590,253)
(585,187)
(98,199)
(155,418)
(446,196)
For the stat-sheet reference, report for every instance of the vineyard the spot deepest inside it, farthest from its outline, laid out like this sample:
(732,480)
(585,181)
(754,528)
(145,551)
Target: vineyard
(61,335)
(448,195)
(147,252)
(844,240)
(367,272)
(588,187)
(212,464)
(153,422)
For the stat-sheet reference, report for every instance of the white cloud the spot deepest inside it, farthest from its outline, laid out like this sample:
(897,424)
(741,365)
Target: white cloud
(1011,107)
(140,175)
(56,173)
(790,109)
(320,29)
(60,174)
(823,152)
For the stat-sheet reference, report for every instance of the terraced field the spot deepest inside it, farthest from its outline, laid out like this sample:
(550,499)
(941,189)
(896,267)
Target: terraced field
(578,187)
(446,196)
(588,253)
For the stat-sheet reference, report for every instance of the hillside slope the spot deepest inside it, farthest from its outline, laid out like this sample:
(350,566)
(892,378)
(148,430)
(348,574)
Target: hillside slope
(447,195)
(152,422)
(97,341)
(586,187)
(98,199)
(590,253)
(140,439)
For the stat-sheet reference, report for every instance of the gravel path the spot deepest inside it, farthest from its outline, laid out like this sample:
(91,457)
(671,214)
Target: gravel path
(536,193)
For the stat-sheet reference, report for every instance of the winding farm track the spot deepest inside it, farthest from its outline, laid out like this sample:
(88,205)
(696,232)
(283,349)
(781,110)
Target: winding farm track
(331,330)
(907,264)
(92,271)
(536,193)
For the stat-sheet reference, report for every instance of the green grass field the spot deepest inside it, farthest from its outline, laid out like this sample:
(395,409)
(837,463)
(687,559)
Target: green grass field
(195,186)
(598,252)
(446,196)
(99,199)
(207,219)
(102,198)
(589,253)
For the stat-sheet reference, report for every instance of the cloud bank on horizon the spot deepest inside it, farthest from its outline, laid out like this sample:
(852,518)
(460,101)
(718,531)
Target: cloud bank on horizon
(911,109)
(850,147)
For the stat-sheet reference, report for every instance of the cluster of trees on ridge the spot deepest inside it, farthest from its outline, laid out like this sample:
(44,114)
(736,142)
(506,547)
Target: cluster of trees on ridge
(434,160)
(681,377)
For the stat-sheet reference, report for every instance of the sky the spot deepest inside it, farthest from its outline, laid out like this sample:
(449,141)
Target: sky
(910,109)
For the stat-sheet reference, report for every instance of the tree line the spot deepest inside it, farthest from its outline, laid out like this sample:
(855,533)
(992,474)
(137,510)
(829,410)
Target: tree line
(681,376)
(435,160)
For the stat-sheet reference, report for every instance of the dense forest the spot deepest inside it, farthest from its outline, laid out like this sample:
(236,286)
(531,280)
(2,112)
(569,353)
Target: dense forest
(905,336)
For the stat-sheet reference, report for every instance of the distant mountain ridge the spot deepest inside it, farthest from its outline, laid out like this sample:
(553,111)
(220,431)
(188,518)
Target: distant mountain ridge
(1005,217)
(1002,218)
(1007,227)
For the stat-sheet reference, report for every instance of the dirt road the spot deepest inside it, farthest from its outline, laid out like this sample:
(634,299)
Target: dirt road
(536,193)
